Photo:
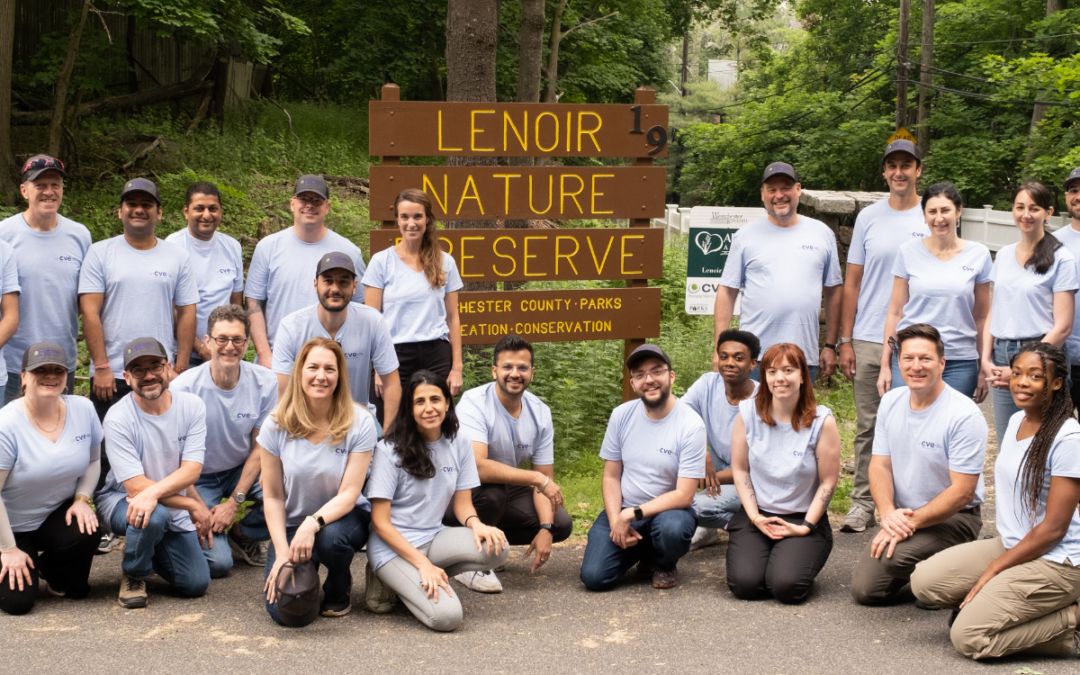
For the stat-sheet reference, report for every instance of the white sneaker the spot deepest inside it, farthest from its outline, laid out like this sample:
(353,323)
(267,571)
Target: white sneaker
(704,536)
(481,582)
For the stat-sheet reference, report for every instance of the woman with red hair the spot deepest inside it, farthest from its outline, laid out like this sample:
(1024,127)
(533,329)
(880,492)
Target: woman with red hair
(785,456)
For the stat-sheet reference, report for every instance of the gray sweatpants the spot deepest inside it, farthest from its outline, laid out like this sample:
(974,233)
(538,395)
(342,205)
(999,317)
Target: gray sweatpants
(452,549)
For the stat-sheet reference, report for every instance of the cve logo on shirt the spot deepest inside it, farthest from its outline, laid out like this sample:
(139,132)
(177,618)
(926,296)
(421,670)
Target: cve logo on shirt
(665,451)
(808,247)
(928,444)
(245,416)
(351,355)
(449,469)
(919,235)
(82,437)
(159,275)
(180,439)
(341,450)
(226,270)
(66,259)
(798,453)
(967,269)
(522,446)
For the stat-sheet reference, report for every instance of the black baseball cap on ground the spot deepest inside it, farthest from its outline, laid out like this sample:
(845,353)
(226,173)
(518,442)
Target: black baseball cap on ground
(335,261)
(39,164)
(646,352)
(1074,175)
(141,185)
(298,594)
(144,346)
(44,354)
(901,145)
(312,183)
(779,169)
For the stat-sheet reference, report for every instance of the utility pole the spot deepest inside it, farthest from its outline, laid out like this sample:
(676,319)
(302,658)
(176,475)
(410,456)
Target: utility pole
(925,77)
(685,60)
(901,65)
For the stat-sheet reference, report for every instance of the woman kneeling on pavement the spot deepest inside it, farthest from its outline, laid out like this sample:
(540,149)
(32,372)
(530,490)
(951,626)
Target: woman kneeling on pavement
(1018,591)
(785,456)
(315,455)
(421,465)
(50,451)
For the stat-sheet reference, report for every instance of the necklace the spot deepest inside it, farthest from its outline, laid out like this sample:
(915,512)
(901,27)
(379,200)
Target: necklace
(34,418)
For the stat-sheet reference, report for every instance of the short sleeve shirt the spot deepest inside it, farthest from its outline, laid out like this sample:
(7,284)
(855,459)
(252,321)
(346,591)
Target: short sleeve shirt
(654,454)
(313,472)
(231,416)
(708,398)
(417,506)
(43,474)
(364,338)
(925,445)
(1023,304)
(783,462)
(9,283)
(282,272)
(154,446)
(942,294)
(218,270)
(49,264)
(528,438)
(879,231)
(1071,239)
(414,310)
(141,288)
(782,271)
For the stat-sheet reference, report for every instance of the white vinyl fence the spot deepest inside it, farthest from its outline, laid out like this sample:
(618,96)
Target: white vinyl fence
(996,229)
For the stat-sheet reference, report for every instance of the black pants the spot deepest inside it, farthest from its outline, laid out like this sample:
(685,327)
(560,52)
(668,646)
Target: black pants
(511,509)
(758,566)
(64,561)
(1075,389)
(434,355)
(101,407)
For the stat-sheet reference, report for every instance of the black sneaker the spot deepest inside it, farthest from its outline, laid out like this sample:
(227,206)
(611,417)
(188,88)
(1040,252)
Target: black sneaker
(338,607)
(108,540)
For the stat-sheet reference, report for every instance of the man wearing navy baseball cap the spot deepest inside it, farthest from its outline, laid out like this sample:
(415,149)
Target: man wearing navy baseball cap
(278,281)
(880,230)
(1070,237)
(654,455)
(784,264)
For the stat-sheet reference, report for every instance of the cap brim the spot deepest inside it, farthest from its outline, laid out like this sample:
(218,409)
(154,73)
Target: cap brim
(32,175)
(906,152)
(42,364)
(1066,184)
(123,195)
(785,174)
(336,267)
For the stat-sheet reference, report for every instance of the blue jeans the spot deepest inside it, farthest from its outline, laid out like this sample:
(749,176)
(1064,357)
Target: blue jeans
(963,376)
(1004,407)
(175,556)
(213,487)
(665,538)
(335,545)
(716,512)
(756,376)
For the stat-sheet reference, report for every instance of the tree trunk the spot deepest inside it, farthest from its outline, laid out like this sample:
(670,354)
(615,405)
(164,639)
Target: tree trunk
(8,188)
(685,60)
(552,69)
(56,133)
(530,60)
(925,77)
(192,87)
(133,74)
(901,65)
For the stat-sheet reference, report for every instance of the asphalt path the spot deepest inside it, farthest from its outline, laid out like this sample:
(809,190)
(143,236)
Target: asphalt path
(540,624)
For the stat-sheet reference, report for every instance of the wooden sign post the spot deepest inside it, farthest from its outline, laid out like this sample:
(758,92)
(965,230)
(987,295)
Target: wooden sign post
(636,192)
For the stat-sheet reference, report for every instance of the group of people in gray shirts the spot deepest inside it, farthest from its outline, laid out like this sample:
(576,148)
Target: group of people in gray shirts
(344,434)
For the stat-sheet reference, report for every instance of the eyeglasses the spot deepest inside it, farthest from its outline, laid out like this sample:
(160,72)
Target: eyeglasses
(223,340)
(655,374)
(138,372)
(508,368)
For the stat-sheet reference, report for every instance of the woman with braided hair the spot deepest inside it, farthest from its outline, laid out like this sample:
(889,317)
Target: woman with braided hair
(1018,591)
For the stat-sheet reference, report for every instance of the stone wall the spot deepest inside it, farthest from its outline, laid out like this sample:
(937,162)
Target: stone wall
(838,210)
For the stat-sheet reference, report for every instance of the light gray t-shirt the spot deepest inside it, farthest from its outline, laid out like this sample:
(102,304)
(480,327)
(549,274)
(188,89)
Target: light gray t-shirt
(1071,239)
(49,264)
(529,438)
(43,474)
(231,415)
(782,271)
(783,462)
(879,231)
(218,269)
(417,506)
(140,290)
(925,445)
(282,272)
(1013,520)
(942,294)
(9,283)
(654,454)
(1023,303)
(414,310)
(364,338)
(138,444)
(313,473)
(708,398)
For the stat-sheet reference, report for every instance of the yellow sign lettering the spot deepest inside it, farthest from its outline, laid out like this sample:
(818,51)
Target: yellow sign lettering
(625,255)
(600,265)
(468,257)
(536,135)
(427,184)
(563,194)
(506,177)
(513,263)
(527,256)
(591,133)
(441,148)
(473,131)
(522,139)
(596,194)
(568,256)
(551,194)
(465,195)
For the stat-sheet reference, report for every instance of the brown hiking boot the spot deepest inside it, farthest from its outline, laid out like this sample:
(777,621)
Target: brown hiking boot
(132,593)
(665,578)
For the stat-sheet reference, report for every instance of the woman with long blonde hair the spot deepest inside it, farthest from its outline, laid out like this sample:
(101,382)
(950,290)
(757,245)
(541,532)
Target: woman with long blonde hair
(415,285)
(315,451)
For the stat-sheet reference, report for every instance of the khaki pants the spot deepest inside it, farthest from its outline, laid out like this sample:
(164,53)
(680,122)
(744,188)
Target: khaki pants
(1025,608)
(877,580)
(867,368)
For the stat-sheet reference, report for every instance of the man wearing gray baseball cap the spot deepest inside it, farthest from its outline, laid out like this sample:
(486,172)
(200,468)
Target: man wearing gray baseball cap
(278,281)
(360,330)
(784,264)
(155,440)
(1070,237)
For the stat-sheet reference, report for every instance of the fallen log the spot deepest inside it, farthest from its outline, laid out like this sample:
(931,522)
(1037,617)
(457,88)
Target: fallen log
(184,89)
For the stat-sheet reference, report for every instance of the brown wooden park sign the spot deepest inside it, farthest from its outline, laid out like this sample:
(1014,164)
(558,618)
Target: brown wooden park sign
(636,192)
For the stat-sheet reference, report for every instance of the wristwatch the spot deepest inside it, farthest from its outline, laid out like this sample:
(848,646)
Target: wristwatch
(545,526)
(807,523)
(829,346)
(844,341)
(240,498)
(638,513)
(319,522)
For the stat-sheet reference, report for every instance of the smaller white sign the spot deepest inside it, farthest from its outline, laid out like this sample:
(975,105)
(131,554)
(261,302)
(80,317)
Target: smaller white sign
(711,229)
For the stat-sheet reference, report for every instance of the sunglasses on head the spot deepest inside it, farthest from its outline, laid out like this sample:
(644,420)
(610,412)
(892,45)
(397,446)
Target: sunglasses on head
(43,163)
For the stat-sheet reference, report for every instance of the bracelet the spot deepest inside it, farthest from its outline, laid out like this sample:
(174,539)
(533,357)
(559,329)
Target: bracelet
(546,480)
(104,367)
(82,498)
(466,523)
(754,521)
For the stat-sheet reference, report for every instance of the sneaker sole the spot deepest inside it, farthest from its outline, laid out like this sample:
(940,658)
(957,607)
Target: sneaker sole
(336,612)
(383,608)
(662,586)
(138,603)
(852,528)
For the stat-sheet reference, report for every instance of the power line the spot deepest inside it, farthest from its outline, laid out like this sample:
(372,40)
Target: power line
(991,97)
(950,73)
(989,42)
